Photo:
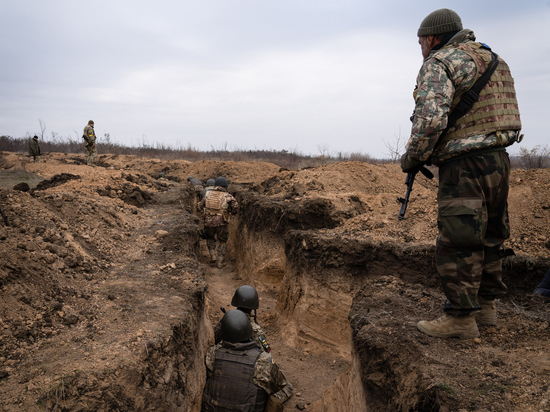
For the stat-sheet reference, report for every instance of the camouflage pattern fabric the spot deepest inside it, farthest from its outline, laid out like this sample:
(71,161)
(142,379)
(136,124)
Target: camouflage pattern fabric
(266,372)
(91,151)
(444,74)
(473,224)
(219,219)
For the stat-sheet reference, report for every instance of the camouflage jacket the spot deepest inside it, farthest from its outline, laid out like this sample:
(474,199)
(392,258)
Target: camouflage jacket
(89,132)
(220,217)
(445,73)
(34,148)
(266,372)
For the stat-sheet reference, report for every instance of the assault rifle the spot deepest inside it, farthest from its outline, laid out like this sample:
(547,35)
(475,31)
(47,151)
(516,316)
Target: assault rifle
(409,180)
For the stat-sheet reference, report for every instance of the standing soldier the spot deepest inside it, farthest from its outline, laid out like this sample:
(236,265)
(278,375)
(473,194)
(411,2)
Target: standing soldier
(89,137)
(34,149)
(218,205)
(474,169)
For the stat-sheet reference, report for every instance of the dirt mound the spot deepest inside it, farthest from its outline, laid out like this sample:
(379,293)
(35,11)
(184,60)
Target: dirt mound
(107,301)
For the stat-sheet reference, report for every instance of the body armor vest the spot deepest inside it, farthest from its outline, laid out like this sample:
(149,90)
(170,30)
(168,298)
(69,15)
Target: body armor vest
(497,106)
(231,387)
(215,203)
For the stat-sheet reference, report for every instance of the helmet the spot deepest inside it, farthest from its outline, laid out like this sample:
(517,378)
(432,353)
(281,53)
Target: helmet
(246,297)
(210,182)
(90,122)
(189,178)
(161,174)
(221,181)
(235,327)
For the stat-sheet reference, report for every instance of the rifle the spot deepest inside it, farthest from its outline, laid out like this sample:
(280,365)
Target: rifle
(465,103)
(85,138)
(409,180)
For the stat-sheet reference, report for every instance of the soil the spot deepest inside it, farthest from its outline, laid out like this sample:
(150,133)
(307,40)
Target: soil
(108,300)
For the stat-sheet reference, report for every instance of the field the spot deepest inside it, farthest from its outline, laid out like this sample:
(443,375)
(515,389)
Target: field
(108,300)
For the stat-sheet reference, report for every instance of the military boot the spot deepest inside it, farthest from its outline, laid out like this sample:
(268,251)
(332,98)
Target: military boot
(488,313)
(222,248)
(447,326)
(213,256)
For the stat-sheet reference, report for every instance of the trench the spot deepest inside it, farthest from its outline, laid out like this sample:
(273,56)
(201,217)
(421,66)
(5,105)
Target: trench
(313,280)
(337,306)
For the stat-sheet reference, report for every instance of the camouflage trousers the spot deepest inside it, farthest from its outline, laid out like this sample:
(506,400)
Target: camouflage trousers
(222,234)
(473,224)
(91,153)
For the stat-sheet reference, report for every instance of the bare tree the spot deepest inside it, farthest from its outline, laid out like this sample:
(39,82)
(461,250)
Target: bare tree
(536,158)
(42,128)
(323,149)
(396,148)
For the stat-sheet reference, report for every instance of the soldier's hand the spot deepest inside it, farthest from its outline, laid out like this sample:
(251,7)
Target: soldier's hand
(408,164)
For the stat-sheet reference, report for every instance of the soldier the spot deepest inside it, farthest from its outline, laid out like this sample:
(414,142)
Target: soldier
(474,169)
(89,138)
(209,186)
(246,300)
(218,205)
(240,376)
(34,149)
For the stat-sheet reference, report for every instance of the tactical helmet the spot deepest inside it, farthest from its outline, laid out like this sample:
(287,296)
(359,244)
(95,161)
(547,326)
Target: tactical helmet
(235,327)
(221,181)
(439,22)
(210,182)
(189,178)
(246,297)
(90,122)
(161,174)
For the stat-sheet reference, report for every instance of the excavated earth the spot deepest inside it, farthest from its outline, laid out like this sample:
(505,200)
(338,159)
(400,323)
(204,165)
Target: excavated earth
(107,299)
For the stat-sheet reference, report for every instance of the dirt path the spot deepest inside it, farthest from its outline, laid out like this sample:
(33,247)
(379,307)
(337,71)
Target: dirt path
(309,373)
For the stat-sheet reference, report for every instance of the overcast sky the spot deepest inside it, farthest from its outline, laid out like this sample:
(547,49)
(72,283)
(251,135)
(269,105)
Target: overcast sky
(299,75)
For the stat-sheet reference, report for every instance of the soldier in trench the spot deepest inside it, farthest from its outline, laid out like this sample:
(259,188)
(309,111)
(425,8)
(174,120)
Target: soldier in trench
(218,205)
(246,300)
(474,169)
(240,376)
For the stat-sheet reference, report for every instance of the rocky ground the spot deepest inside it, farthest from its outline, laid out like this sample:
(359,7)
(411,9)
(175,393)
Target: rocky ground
(107,299)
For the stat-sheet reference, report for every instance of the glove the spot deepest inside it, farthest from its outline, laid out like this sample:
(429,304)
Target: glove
(408,164)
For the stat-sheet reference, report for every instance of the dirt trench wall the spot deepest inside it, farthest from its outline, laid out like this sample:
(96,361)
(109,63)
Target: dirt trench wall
(323,272)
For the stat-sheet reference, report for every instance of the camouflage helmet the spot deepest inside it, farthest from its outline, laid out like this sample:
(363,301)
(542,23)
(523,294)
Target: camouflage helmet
(210,182)
(235,327)
(246,297)
(221,181)
(90,122)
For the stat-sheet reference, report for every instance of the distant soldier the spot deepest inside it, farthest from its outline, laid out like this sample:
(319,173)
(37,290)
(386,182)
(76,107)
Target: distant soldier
(218,206)
(240,376)
(34,149)
(89,137)
(246,300)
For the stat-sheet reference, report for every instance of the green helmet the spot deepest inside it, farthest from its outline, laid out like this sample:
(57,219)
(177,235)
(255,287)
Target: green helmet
(221,181)
(161,174)
(235,327)
(246,297)
(210,182)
